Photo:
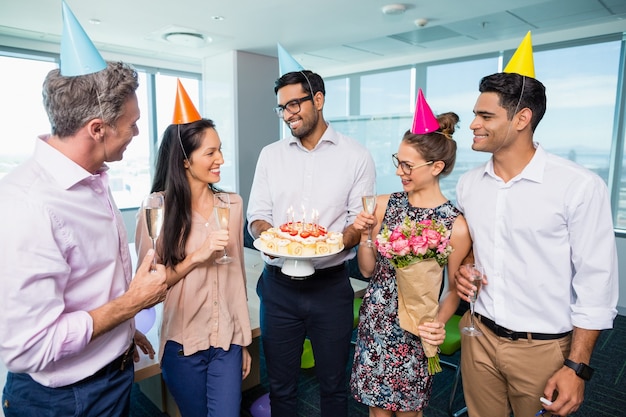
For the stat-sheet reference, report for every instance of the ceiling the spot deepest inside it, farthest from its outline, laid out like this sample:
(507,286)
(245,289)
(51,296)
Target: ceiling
(327,36)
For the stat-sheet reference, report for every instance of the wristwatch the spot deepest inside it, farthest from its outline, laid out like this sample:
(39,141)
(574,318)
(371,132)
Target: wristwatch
(583,370)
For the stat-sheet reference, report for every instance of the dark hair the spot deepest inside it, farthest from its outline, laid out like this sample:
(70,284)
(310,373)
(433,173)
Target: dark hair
(71,102)
(517,92)
(160,171)
(437,145)
(178,143)
(303,78)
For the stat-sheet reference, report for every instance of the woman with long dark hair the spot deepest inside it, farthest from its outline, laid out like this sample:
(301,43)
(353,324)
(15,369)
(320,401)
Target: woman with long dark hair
(206,326)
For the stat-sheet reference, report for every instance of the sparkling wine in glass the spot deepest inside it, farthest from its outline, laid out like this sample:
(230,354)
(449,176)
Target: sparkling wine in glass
(476,278)
(369,205)
(153,209)
(221,209)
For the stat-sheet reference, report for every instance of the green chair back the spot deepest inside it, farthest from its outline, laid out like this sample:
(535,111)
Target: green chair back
(452,343)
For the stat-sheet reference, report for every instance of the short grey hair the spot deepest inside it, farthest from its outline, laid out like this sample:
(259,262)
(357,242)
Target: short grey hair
(71,102)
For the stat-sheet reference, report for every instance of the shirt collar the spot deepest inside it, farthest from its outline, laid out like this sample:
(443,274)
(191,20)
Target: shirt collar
(66,172)
(533,171)
(330,135)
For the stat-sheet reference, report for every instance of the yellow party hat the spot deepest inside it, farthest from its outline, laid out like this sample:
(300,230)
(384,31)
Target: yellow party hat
(522,62)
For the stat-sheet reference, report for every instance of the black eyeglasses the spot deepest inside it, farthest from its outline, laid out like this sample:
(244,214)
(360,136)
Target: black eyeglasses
(292,106)
(405,166)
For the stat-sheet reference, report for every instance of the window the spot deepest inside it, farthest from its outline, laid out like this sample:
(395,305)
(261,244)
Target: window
(336,103)
(385,102)
(386,93)
(131,178)
(22,114)
(24,117)
(581,82)
(166,86)
(445,92)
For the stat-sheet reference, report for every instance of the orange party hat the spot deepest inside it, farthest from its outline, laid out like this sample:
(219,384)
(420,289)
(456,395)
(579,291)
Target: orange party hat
(424,121)
(522,62)
(184,110)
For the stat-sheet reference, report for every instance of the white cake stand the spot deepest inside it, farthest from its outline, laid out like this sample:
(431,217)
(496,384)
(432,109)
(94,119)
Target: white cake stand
(294,266)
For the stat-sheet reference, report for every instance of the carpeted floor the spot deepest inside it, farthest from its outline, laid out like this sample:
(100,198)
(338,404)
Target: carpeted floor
(605,394)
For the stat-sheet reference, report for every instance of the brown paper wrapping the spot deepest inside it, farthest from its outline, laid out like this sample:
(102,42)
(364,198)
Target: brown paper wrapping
(418,297)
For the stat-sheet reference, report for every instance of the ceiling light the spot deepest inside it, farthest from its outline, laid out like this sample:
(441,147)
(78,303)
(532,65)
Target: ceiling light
(95,21)
(217,17)
(189,39)
(394,9)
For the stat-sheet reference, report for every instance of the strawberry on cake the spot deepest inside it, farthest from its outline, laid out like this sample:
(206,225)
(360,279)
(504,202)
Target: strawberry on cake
(298,239)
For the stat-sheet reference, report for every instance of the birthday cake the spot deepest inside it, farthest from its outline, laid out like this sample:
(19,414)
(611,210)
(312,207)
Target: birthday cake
(300,239)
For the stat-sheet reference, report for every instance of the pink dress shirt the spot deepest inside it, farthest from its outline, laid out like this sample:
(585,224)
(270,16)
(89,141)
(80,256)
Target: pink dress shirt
(209,306)
(64,253)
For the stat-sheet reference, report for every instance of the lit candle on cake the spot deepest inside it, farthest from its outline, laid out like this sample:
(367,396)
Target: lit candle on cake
(315,217)
(290,217)
(303,217)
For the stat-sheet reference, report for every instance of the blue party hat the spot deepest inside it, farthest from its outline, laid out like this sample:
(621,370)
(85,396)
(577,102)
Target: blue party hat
(286,63)
(78,54)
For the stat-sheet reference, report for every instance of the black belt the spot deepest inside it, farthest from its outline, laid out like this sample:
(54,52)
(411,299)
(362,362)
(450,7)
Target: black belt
(116,365)
(510,334)
(319,273)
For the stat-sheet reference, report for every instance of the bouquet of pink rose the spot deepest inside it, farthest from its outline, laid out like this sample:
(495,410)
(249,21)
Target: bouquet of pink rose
(418,251)
(415,241)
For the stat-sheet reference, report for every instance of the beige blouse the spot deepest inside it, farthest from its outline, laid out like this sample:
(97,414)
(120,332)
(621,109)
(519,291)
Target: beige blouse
(208,307)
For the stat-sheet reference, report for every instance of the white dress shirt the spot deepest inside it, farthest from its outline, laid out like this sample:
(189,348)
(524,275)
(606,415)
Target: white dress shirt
(546,241)
(331,179)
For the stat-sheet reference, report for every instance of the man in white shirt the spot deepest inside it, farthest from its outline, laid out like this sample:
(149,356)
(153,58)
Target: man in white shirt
(542,229)
(316,169)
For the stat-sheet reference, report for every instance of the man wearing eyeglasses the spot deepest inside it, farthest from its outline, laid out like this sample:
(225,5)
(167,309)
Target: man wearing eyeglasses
(316,170)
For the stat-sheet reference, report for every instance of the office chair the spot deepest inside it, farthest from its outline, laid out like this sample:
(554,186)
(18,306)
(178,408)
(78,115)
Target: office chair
(449,347)
(356,307)
(307,361)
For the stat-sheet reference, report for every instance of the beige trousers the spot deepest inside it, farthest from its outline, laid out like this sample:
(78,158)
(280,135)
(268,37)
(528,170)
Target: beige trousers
(502,375)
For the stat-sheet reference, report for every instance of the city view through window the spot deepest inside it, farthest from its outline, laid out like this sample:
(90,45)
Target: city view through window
(22,112)
(581,83)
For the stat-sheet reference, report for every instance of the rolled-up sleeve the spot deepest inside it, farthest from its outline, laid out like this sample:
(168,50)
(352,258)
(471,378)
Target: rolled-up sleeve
(260,203)
(594,258)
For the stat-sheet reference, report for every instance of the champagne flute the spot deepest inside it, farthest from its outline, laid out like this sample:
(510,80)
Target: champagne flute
(369,205)
(221,208)
(153,210)
(476,278)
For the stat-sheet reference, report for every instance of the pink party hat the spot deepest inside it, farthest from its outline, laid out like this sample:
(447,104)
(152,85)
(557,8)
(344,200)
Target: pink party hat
(522,62)
(184,110)
(78,54)
(424,121)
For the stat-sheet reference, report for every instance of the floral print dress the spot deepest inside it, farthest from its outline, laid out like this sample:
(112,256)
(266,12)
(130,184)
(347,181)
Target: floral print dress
(390,370)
